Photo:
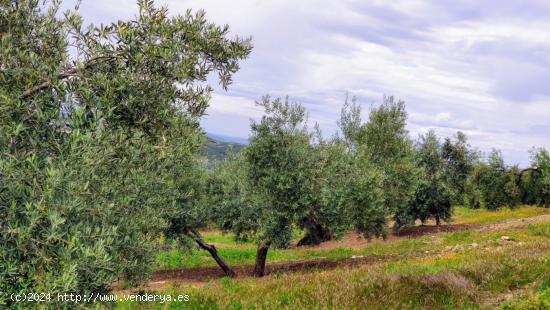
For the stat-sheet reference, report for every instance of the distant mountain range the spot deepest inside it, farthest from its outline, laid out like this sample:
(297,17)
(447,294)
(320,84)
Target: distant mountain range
(219,146)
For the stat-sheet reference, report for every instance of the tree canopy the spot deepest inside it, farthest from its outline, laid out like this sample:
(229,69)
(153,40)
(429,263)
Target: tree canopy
(384,141)
(432,198)
(98,135)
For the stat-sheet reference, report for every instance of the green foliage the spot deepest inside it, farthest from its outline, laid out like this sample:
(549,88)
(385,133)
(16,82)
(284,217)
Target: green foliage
(244,188)
(350,122)
(432,198)
(97,150)
(365,200)
(232,204)
(459,162)
(536,183)
(287,176)
(384,142)
(492,185)
(388,146)
(344,192)
(325,214)
(277,169)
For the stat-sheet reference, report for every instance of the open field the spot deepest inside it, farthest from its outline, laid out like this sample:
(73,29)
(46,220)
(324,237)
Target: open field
(496,259)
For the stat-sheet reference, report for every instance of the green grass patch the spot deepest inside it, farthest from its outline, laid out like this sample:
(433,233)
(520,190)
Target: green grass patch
(481,216)
(183,258)
(542,230)
(218,237)
(459,236)
(539,299)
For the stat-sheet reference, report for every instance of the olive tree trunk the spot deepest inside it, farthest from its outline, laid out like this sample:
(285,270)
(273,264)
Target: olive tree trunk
(315,233)
(261,256)
(213,251)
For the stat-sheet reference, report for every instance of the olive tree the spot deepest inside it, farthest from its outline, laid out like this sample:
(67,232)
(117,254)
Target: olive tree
(197,208)
(459,160)
(492,184)
(231,198)
(277,170)
(535,180)
(289,177)
(384,141)
(433,197)
(344,193)
(329,162)
(93,142)
(258,193)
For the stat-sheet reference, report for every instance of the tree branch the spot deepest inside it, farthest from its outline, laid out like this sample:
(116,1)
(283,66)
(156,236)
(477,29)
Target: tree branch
(534,169)
(520,175)
(65,74)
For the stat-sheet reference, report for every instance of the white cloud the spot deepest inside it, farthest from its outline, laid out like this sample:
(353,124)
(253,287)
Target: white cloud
(478,67)
(222,103)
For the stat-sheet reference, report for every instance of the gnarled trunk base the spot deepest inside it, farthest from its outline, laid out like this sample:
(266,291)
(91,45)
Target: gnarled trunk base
(315,234)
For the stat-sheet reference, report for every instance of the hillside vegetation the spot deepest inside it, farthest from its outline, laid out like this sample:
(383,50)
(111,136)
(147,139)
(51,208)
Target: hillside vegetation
(219,150)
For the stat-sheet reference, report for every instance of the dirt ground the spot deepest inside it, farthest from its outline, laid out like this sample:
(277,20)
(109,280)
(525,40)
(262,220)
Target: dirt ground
(200,276)
(354,240)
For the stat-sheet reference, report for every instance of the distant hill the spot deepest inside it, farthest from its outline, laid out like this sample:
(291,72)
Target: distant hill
(218,150)
(224,138)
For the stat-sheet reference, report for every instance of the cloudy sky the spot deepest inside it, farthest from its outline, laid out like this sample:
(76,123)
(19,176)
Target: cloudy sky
(481,67)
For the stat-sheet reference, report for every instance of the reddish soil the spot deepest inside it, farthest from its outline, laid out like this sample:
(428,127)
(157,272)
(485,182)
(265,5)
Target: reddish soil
(354,240)
(419,231)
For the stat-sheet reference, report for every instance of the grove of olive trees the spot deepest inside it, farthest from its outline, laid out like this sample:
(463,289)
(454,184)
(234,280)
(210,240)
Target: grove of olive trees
(100,155)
